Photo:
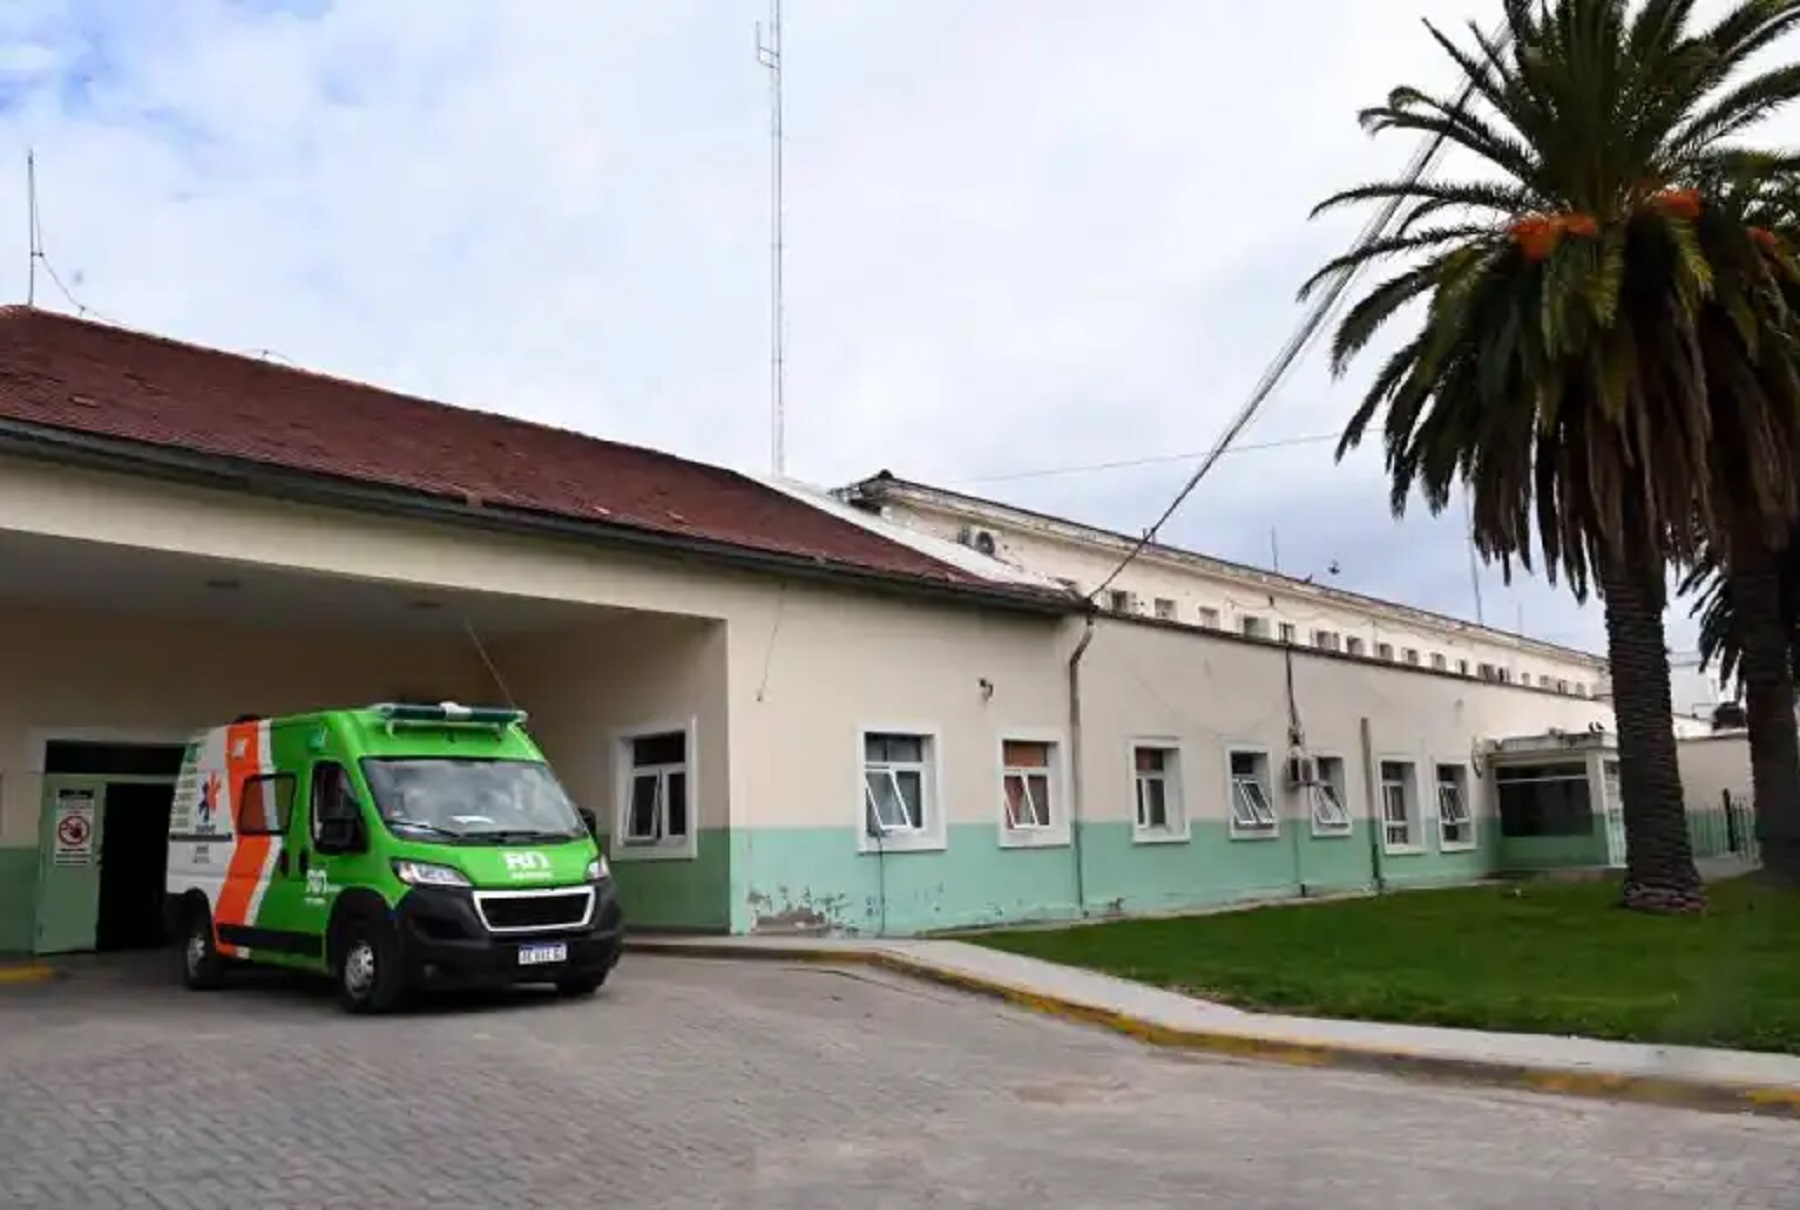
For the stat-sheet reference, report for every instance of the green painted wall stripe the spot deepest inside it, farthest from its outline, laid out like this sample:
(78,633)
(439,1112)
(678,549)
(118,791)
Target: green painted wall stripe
(18,898)
(814,878)
(678,894)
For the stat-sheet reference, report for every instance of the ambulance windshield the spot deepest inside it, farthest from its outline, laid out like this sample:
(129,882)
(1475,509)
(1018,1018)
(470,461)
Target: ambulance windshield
(493,801)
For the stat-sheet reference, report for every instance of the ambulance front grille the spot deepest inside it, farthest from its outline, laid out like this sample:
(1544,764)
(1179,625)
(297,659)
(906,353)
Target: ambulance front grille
(534,911)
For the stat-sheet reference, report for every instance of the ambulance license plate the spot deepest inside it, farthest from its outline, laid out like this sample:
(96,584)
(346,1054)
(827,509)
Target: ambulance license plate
(541,955)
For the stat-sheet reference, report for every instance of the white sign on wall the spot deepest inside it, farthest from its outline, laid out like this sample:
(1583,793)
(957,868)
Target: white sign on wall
(74,828)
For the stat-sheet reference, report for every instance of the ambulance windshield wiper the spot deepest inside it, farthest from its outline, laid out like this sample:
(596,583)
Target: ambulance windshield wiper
(527,836)
(419,825)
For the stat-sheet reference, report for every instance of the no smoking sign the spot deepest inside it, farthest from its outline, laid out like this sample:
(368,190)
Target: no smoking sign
(74,827)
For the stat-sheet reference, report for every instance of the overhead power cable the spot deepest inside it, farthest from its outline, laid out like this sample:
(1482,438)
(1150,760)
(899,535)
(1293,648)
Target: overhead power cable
(1082,468)
(1303,336)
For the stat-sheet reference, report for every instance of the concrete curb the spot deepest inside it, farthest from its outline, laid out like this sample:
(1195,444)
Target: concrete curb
(1774,1100)
(25,973)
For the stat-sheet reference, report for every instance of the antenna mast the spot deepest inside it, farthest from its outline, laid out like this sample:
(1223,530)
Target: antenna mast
(34,242)
(1474,568)
(768,53)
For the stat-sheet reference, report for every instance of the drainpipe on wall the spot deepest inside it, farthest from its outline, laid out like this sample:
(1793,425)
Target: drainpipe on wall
(1372,797)
(1076,762)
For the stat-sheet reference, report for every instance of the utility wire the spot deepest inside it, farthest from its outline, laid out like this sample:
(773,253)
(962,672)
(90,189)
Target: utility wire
(40,257)
(1298,342)
(81,309)
(1082,468)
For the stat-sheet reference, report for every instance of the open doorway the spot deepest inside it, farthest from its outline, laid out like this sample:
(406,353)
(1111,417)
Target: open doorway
(134,846)
(110,896)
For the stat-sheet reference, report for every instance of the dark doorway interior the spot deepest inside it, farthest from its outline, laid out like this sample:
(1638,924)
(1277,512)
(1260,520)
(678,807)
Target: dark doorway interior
(133,861)
(113,760)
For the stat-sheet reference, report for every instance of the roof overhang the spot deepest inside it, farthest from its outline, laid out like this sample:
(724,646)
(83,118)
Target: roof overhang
(142,459)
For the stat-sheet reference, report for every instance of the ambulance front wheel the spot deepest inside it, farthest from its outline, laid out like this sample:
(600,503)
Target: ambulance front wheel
(370,978)
(202,966)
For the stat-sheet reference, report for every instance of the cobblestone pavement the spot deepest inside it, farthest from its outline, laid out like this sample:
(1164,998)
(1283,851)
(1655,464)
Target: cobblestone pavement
(688,1084)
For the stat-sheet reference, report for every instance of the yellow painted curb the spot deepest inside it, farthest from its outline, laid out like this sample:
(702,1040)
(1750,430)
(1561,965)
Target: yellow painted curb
(1777,1100)
(30,972)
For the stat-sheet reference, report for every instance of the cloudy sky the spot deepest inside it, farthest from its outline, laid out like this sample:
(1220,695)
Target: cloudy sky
(1023,234)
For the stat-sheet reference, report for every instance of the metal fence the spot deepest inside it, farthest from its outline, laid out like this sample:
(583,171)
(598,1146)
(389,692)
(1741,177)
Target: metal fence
(1727,831)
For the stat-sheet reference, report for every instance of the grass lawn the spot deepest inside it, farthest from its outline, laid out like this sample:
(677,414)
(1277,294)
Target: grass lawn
(1544,958)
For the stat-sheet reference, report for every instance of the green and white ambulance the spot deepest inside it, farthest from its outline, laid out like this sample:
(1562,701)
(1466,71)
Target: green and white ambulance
(393,847)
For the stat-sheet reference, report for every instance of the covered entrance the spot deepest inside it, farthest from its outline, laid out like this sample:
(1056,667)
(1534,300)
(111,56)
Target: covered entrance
(1557,796)
(104,819)
(104,689)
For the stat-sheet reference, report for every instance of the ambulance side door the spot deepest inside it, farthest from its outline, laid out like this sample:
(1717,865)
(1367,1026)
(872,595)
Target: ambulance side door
(336,843)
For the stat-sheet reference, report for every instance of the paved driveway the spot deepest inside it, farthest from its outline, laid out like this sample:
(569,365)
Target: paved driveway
(750,1085)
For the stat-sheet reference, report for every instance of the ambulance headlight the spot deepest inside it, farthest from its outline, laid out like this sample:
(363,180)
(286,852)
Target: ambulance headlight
(421,873)
(598,871)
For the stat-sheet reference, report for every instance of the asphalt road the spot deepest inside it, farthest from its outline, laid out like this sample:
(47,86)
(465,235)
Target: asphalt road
(688,1084)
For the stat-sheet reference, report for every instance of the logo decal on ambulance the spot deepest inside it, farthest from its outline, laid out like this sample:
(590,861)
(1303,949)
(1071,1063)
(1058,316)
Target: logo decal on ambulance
(527,865)
(208,807)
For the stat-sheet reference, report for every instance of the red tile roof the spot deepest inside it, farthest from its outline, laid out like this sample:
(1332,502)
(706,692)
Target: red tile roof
(103,381)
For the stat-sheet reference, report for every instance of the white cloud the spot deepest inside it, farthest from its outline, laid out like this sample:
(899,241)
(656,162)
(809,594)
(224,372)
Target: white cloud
(1022,233)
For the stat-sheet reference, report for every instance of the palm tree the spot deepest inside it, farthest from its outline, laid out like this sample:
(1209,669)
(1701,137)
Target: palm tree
(1557,370)
(1721,625)
(1747,342)
(1716,610)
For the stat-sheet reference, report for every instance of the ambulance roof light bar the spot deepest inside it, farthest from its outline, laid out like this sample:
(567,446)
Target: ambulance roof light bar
(447,714)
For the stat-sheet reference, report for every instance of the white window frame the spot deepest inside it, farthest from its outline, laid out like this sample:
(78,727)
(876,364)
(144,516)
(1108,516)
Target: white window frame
(1166,610)
(1384,651)
(1355,646)
(1179,829)
(931,836)
(1409,656)
(669,848)
(1209,618)
(1254,626)
(1439,662)
(1241,831)
(1055,834)
(1415,842)
(1341,788)
(1466,787)
(1286,632)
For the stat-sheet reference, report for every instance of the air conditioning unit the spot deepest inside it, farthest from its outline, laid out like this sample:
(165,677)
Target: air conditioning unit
(978,539)
(1303,770)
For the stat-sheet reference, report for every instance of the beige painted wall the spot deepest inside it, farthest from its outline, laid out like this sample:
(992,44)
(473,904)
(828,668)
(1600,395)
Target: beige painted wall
(584,686)
(797,670)
(1711,765)
(1211,693)
(1191,590)
(79,675)
(811,669)
(826,666)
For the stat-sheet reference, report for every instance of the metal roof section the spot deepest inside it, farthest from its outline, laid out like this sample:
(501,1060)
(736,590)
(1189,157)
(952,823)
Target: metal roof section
(963,558)
(886,485)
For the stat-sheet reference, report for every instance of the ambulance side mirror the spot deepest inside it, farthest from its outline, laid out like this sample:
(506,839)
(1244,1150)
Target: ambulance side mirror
(589,820)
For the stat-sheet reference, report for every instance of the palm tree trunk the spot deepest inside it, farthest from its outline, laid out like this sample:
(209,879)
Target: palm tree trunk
(1754,572)
(1659,858)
